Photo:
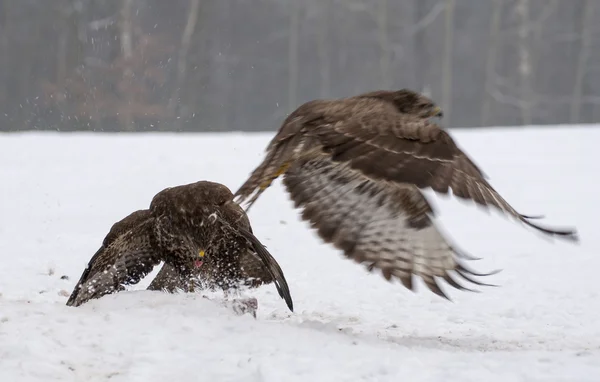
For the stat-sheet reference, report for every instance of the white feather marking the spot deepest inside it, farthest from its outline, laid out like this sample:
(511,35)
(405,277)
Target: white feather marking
(212,217)
(373,222)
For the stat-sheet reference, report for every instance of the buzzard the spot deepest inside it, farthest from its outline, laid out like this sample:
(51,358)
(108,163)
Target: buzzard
(356,166)
(198,231)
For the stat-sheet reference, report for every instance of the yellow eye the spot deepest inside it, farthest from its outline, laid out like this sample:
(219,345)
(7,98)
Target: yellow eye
(201,253)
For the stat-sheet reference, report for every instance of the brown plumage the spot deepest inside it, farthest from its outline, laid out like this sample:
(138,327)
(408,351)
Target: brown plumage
(356,166)
(198,231)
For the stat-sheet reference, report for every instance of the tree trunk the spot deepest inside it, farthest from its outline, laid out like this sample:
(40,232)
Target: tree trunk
(584,54)
(447,61)
(186,39)
(323,49)
(490,67)
(4,52)
(524,68)
(126,32)
(62,45)
(384,45)
(293,55)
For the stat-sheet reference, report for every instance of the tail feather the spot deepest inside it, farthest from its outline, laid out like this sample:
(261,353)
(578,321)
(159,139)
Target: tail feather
(252,183)
(276,162)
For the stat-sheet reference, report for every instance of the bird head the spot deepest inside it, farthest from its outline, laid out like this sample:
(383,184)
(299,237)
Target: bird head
(407,101)
(410,102)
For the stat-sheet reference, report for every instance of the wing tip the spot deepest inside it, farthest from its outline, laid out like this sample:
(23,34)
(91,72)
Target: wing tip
(284,292)
(289,302)
(72,301)
(568,234)
(271,266)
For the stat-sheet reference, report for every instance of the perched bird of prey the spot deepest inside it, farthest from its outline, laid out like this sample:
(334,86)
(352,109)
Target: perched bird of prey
(356,166)
(198,231)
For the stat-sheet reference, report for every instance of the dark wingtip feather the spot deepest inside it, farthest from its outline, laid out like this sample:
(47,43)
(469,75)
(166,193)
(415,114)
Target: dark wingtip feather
(272,267)
(468,275)
(464,255)
(465,273)
(533,217)
(432,285)
(72,301)
(569,234)
(453,283)
(464,268)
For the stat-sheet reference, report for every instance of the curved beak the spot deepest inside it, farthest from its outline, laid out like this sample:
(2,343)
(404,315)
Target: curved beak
(198,262)
(437,112)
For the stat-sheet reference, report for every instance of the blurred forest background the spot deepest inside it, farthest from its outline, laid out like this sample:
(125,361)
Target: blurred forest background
(221,65)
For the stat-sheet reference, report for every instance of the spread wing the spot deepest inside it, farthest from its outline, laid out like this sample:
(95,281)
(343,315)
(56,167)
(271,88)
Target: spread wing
(270,265)
(407,150)
(125,260)
(124,225)
(383,225)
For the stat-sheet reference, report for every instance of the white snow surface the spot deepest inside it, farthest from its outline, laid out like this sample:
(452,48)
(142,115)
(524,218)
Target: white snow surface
(61,192)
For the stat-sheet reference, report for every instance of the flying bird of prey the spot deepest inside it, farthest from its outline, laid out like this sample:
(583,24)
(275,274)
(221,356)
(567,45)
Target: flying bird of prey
(356,166)
(198,231)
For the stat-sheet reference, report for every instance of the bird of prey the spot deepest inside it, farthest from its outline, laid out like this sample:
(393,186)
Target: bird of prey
(356,167)
(198,231)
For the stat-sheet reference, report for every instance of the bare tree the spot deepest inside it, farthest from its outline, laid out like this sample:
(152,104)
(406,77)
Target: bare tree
(425,20)
(323,48)
(294,31)
(447,59)
(136,65)
(184,48)
(5,35)
(384,44)
(517,86)
(64,9)
(584,54)
(126,34)
(490,68)
(525,66)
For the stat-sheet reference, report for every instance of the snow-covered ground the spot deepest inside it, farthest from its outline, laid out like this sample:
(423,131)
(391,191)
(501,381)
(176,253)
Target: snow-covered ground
(60,193)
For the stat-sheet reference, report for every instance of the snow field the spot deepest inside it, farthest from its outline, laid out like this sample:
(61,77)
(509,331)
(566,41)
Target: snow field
(62,192)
